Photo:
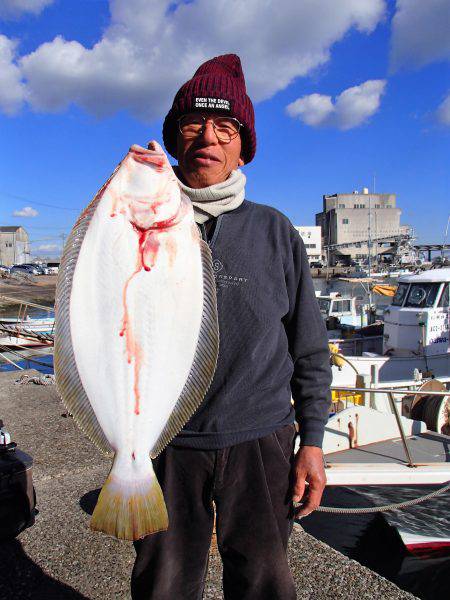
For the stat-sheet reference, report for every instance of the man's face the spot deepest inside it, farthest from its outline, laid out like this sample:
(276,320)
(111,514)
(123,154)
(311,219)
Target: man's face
(205,160)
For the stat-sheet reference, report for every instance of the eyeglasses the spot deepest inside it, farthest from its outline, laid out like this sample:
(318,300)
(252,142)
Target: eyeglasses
(225,128)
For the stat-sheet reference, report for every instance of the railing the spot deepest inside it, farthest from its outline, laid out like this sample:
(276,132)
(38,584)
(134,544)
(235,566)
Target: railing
(390,392)
(21,322)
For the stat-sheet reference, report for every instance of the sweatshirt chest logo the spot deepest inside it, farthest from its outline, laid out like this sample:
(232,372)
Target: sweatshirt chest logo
(224,279)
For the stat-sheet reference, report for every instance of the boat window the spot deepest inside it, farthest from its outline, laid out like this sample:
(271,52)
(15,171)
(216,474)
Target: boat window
(422,295)
(336,306)
(444,301)
(345,306)
(324,305)
(400,294)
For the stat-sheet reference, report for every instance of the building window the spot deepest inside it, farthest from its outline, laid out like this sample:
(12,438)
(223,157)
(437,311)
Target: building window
(341,205)
(359,206)
(310,245)
(344,221)
(377,206)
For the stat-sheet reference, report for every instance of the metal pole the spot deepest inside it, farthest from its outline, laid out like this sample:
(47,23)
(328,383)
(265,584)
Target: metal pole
(369,236)
(400,427)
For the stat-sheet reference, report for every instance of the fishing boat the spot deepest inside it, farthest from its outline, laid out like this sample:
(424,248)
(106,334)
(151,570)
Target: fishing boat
(340,312)
(26,330)
(380,463)
(415,339)
(387,440)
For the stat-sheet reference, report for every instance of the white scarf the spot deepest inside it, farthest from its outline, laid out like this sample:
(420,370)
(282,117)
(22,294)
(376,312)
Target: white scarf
(216,199)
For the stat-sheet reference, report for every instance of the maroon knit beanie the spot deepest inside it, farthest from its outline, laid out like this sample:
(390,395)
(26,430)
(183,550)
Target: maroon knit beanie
(217,86)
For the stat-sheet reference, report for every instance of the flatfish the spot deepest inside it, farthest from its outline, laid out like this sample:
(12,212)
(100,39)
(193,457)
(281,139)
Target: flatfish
(136,332)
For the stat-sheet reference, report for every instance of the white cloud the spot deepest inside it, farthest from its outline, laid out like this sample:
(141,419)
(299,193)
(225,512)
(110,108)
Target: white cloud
(11,9)
(47,248)
(443,111)
(353,107)
(26,211)
(152,46)
(12,90)
(314,109)
(420,33)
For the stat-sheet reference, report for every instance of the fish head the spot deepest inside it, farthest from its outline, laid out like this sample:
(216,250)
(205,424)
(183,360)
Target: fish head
(152,192)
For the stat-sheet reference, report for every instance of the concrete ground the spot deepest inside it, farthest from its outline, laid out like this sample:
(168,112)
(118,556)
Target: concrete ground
(59,558)
(39,289)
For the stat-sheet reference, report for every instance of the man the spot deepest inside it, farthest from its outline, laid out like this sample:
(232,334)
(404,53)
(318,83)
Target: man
(236,452)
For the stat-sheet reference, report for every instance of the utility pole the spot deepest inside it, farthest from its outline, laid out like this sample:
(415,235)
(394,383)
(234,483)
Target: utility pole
(63,237)
(369,237)
(445,237)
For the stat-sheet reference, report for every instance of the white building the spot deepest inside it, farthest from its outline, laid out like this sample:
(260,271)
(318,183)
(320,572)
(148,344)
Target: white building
(349,220)
(312,238)
(14,245)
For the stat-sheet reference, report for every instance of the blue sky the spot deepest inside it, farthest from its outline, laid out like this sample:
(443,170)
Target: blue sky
(343,91)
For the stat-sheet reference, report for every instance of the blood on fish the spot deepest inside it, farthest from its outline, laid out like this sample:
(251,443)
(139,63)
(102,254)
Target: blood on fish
(148,245)
(151,159)
(133,348)
(133,456)
(150,251)
(166,223)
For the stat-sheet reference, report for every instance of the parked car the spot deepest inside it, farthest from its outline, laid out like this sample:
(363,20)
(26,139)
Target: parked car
(53,268)
(45,269)
(4,269)
(316,264)
(24,269)
(42,269)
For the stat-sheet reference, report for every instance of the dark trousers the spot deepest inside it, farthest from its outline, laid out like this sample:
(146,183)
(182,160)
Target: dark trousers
(249,485)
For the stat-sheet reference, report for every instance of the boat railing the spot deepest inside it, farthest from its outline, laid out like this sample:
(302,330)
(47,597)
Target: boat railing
(22,312)
(391,392)
(23,303)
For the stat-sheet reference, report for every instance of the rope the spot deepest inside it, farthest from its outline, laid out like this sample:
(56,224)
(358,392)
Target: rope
(376,509)
(39,380)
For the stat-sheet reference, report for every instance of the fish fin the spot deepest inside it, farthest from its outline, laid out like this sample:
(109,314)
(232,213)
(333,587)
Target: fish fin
(204,363)
(130,510)
(68,379)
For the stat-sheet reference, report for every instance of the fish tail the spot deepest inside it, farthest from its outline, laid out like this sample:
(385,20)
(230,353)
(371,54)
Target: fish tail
(130,510)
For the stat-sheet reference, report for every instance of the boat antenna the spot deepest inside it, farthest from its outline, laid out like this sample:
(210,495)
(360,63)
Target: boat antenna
(445,237)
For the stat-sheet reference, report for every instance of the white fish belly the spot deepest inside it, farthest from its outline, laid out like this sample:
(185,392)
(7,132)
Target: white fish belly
(135,332)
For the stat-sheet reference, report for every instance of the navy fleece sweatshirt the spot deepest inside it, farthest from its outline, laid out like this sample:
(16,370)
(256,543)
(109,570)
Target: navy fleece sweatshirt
(273,341)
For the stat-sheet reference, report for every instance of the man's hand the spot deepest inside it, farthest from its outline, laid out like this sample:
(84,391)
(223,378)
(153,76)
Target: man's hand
(308,467)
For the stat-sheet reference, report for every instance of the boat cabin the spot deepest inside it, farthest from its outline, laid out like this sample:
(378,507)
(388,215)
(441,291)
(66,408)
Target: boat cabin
(339,310)
(417,321)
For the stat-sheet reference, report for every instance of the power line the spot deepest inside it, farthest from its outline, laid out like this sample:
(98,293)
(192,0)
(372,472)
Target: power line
(24,199)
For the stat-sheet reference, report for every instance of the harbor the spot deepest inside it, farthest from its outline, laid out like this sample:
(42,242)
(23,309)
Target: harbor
(419,536)
(59,558)
(224,300)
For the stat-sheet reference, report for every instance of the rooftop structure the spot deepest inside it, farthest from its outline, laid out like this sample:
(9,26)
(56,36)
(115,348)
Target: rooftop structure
(14,245)
(358,221)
